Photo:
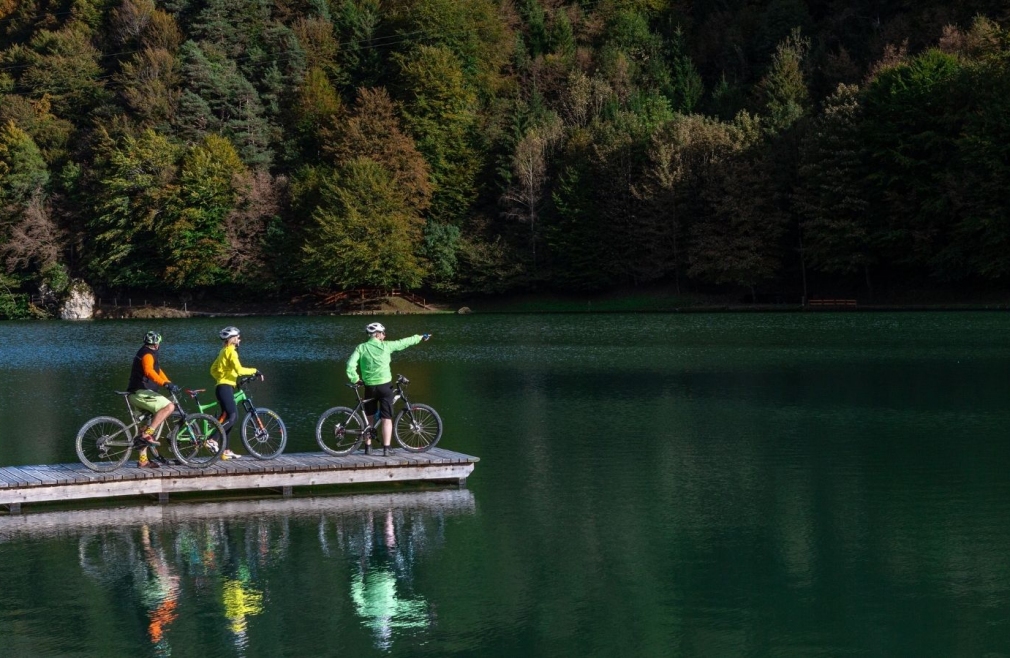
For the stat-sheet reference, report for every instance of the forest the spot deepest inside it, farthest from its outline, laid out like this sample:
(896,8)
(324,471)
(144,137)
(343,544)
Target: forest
(265,148)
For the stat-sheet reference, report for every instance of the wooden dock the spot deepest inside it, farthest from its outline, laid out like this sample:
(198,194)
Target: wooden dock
(20,485)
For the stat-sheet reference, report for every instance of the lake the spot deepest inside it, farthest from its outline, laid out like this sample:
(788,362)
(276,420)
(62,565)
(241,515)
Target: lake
(802,484)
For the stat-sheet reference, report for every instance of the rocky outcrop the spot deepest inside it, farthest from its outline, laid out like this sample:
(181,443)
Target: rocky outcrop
(79,303)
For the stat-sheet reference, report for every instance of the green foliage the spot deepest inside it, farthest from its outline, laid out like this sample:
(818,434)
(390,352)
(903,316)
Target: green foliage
(440,110)
(441,246)
(217,98)
(193,235)
(838,230)
(474,145)
(782,92)
(136,185)
(914,113)
(15,305)
(364,233)
(23,171)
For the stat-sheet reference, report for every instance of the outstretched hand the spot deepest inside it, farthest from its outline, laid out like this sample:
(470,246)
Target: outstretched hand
(425,336)
(172,388)
(260,376)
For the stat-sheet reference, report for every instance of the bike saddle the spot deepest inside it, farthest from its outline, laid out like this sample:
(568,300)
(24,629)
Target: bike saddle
(122,392)
(193,392)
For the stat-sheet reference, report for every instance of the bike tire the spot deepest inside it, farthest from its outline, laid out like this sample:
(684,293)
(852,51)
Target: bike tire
(339,431)
(264,434)
(193,443)
(104,444)
(417,428)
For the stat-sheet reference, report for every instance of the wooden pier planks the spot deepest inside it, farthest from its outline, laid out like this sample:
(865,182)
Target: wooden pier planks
(69,482)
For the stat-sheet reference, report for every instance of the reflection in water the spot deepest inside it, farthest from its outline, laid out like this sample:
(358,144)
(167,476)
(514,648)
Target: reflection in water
(182,561)
(374,585)
(160,593)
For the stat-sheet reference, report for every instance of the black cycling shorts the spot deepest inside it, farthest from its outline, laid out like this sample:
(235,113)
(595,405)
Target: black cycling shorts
(381,395)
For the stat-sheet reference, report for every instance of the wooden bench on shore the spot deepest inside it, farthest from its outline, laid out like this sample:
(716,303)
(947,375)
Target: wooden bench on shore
(71,482)
(831,302)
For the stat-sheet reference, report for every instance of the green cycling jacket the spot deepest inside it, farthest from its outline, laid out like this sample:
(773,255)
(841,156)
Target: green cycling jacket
(374,356)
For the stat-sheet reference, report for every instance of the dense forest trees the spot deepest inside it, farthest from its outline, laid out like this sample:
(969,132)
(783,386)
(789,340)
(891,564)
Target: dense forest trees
(784,147)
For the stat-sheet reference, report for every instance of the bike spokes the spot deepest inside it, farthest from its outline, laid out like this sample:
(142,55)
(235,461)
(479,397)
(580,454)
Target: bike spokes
(418,427)
(104,444)
(264,434)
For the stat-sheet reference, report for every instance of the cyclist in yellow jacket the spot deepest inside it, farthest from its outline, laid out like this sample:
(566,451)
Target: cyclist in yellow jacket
(226,370)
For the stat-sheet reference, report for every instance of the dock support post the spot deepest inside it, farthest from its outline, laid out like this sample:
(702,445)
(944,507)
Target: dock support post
(286,492)
(162,497)
(461,483)
(14,508)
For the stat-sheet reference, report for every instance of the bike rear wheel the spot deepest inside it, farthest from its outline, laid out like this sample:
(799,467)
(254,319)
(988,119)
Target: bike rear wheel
(417,428)
(193,441)
(339,431)
(104,444)
(264,434)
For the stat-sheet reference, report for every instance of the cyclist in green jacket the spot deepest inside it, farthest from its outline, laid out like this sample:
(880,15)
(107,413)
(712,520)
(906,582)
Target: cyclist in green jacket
(374,355)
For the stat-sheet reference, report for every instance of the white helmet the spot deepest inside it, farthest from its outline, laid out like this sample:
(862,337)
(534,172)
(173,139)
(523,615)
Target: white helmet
(228,332)
(375,328)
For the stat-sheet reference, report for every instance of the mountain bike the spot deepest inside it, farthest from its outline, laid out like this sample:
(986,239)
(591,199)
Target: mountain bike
(417,427)
(263,431)
(105,443)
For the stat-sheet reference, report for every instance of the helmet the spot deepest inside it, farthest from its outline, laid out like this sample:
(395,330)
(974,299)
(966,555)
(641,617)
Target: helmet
(375,328)
(228,332)
(152,338)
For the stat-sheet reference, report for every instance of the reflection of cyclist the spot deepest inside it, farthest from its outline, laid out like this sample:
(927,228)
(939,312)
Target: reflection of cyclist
(374,590)
(374,356)
(145,378)
(226,370)
(241,600)
(160,595)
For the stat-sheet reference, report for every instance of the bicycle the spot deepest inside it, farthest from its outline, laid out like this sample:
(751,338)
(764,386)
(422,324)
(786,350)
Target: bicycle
(263,431)
(105,443)
(417,427)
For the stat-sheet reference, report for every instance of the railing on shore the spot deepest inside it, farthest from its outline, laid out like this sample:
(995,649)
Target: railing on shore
(365,295)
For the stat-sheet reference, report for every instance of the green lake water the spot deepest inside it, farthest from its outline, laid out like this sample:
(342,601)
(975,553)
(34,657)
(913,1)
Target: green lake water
(828,484)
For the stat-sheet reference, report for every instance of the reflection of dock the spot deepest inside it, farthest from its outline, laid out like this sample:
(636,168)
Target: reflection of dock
(447,502)
(71,482)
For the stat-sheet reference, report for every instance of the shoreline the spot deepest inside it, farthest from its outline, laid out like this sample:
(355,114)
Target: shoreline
(162,312)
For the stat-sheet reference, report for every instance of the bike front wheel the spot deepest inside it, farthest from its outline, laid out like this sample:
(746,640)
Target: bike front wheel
(339,431)
(104,444)
(264,434)
(417,428)
(194,443)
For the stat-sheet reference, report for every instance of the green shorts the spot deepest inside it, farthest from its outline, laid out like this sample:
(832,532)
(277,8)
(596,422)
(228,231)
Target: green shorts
(149,401)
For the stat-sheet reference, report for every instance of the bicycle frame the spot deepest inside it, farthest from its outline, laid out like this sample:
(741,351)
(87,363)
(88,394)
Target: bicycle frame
(242,399)
(398,395)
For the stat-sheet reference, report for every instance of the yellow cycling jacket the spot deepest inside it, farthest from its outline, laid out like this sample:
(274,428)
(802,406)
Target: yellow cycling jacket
(226,367)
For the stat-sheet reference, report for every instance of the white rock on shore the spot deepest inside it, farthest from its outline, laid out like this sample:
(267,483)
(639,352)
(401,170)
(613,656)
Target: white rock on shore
(79,304)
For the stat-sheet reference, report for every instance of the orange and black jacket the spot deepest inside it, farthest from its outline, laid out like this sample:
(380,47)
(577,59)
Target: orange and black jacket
(146,372)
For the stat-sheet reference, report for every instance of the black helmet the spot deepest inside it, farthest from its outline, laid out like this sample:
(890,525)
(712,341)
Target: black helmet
(152,338)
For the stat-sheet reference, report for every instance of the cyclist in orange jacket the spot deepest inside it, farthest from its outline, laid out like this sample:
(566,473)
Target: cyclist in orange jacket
(145,378)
